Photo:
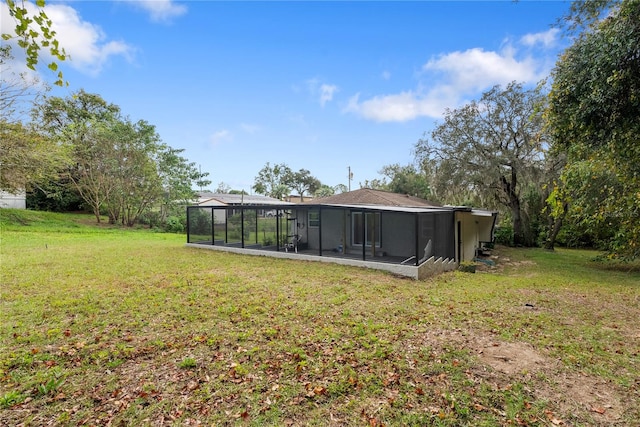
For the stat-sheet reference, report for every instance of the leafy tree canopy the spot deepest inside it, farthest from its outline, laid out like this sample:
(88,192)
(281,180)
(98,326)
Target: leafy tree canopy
(493,148)
(302,181)
(406,180)
(27,158)
(119,166)
(278,180)
(272,180)
(593,112)
(324,191)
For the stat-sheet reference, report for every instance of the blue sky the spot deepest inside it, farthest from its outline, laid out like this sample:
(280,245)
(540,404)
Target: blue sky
(316,85)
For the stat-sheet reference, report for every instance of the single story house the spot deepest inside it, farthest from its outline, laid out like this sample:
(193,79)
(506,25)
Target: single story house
(371,228)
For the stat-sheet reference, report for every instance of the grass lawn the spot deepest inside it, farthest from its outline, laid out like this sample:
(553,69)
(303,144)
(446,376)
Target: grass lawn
(105,326)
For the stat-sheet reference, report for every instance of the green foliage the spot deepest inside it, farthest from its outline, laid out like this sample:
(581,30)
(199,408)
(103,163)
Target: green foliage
(200,222)
(188,363)
(33,32)
(491,150)
(176,224)
(177,177)
(28,158)
(11,398)
(533,203)
(276,181)
(504,234)
(403,180)
(468,267)
(593,113)
(236,226)
(17,90)
(56,195)
(50,386)
(324,191)
(118,166)
(585,14)
(302,181)
(272,181)
(590,184)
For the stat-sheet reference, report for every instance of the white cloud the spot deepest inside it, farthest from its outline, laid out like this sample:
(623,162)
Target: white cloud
(220,136)
(85,43)
(449,79)
(547,38)
(326,93)
(161,10)
(397,107)
(477,69)
(322,91)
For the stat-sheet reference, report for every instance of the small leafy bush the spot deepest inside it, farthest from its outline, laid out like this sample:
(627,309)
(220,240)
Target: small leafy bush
(175,224)
(504,235)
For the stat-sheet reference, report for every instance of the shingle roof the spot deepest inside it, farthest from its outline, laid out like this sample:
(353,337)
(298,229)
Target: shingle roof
(368,196)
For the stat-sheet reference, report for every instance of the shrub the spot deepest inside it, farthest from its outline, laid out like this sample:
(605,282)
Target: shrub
(175,224)
(504,235)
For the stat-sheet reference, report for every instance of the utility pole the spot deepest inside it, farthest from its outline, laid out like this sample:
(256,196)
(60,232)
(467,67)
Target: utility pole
(350,177)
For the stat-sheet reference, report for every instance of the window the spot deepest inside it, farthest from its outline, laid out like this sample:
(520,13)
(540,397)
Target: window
(372,228)
(314,219)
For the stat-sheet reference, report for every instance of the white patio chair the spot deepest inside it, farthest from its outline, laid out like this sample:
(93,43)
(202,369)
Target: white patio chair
(293,243)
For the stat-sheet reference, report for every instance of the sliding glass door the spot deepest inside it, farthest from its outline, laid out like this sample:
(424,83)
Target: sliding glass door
(368,232)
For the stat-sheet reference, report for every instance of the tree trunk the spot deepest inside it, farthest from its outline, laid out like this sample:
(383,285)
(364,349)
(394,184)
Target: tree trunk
(518,225)
(555,224)
(509,187)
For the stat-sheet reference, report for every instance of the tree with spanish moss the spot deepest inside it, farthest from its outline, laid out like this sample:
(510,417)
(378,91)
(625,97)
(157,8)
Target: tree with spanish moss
(494,148)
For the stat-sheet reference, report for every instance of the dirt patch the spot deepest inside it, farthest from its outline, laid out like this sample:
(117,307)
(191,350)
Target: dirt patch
(578,396)
(497,263)
(512,358)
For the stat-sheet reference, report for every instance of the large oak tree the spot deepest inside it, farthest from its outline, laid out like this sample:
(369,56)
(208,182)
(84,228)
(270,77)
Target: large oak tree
(493,148)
